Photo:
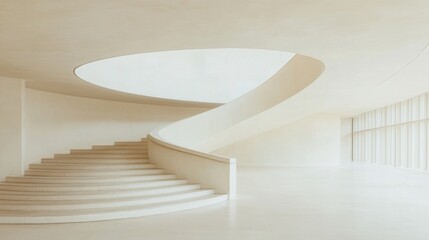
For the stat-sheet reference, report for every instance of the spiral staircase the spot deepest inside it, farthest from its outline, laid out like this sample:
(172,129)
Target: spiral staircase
(126,180)
(105,182)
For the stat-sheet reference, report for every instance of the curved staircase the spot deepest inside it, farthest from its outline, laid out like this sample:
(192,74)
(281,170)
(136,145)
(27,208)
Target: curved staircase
(102,183)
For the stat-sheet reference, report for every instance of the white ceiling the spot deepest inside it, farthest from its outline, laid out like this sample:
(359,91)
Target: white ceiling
(374,51)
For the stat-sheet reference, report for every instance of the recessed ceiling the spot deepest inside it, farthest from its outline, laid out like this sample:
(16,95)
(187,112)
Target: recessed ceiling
(200,75)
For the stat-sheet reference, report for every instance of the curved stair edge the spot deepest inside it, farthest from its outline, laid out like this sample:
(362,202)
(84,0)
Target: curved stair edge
(70,188)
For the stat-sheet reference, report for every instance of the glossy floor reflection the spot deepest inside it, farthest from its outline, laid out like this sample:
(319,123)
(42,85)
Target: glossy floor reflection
(338,202)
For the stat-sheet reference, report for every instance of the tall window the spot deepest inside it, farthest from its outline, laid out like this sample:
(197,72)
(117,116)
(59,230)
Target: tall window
(396,135)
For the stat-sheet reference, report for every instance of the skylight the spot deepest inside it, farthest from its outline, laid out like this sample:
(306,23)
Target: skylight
(200,75)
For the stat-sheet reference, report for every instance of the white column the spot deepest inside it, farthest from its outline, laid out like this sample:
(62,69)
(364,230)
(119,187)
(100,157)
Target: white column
(12,93)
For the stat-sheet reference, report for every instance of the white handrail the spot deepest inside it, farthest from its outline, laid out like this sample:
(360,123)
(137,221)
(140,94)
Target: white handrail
(157,139)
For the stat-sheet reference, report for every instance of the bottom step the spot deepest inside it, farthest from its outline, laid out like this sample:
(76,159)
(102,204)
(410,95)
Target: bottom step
(108,213)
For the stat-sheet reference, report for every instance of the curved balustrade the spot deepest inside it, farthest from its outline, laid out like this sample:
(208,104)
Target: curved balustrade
(177,147)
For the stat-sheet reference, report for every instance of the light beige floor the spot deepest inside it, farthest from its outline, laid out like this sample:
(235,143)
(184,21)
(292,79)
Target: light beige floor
(341,202)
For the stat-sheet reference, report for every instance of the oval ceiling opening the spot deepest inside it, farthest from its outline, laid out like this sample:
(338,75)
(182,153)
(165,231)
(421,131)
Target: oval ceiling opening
(198,75)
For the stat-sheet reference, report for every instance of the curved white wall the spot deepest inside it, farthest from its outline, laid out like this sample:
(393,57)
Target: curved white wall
(56,123)
(194,132)
(314,140)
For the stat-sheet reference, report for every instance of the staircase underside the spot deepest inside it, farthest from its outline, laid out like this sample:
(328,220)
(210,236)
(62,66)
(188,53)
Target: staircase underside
(102,183)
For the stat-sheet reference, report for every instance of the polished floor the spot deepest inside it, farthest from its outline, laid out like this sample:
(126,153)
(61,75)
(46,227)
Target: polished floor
(335,202)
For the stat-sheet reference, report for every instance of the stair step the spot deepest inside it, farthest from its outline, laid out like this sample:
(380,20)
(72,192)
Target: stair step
(88,173)
(95,161)
(101,155)
(19,217)
(109,151)
(103,183)
(143,143)
(87,180)
(105,203)
(120,147)
(90,166)
(23,187)
(86,195)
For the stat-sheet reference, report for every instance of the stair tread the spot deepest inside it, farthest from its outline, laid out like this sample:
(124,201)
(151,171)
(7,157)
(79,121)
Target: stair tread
(30,188)
(91,178)
(34,213)
(96,201)
(108,151)
(91,171)
(91,185)
(122,146)
(99,195)
(132,142)
(117,158)
(94,160)
(87,173)
(97,192)
(105,164)
(101,183)
(91,166)
(92,154)
(113,147)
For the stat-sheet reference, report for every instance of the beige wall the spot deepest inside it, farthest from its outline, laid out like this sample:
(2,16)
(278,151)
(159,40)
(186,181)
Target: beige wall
(11,131)
(56,123)
(314,140)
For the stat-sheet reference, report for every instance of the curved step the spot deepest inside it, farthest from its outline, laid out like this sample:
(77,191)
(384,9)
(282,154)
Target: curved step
(95,160)
(111,151)
(22,217)
(88,180)
(88,173)
(7,205)
(97,184)
(19,196)
(51,166)
(101,155)
(31,187)
(119,147)
(143,143)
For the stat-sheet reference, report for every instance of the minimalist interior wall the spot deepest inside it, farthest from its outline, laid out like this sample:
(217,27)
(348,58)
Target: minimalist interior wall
(396,135)
(346,139)
(56,123)
(314,140)
(11,131)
